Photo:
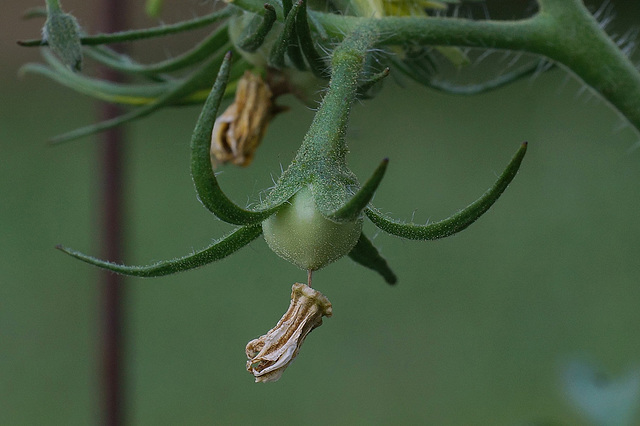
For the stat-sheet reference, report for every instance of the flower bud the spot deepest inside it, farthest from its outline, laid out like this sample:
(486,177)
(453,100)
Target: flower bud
(240,129)
(271,354)
(62,32)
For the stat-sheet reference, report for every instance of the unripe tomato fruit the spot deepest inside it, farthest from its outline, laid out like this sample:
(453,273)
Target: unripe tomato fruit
(300,234)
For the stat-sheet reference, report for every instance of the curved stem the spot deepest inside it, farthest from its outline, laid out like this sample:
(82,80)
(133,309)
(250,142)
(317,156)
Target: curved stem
(585,49)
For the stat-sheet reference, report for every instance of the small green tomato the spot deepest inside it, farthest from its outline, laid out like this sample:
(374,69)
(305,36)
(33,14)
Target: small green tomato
(300,234)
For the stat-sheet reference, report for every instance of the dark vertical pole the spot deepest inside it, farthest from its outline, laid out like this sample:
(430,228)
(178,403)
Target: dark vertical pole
(112,18)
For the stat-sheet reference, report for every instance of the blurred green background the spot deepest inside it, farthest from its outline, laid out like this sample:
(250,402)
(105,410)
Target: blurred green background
(475,332)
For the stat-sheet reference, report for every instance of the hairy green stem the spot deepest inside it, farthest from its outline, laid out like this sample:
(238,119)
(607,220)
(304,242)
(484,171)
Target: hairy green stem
(326,136)
(321,160)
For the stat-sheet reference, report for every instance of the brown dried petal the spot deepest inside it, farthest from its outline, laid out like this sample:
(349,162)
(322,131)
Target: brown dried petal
(238,131)
(271,354)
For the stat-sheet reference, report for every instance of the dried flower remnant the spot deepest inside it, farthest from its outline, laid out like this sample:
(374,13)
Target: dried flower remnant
(271,354)
(240,129)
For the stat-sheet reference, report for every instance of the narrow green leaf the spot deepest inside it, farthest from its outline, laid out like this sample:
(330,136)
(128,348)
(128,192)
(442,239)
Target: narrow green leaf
(204,179)
(368,256)
(276,56)
(293,50)
(458,221)
(354,207)
(131,94)
(314,59)
(216,251)
(254,40)
(185,88)
(133,35)
(215,42)
(126,94)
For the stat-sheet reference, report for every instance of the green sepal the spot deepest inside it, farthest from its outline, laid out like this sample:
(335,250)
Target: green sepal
(281,46)
(133,35)
(353,208)
(307,46)
(368,256)
(293,50)
(364,87)
(217,250)
(204,179)
(62,33)
(252,41)
(197,80)
(458,221)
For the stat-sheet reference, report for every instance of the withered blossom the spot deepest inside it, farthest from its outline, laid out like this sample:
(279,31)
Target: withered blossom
(271,354)
(240,129)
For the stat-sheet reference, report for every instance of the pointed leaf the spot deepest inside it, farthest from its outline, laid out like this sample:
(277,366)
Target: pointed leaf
(253,41)
(216,251)
(368,256)
(458,221)
(185,88)
(354,207)
(314,59)
(293,50)
(276,56)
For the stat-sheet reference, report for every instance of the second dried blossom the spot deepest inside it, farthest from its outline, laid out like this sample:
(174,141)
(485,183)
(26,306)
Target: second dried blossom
(240,129)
